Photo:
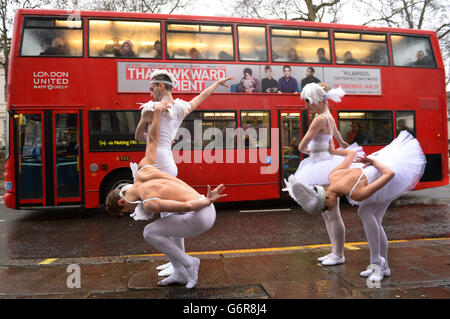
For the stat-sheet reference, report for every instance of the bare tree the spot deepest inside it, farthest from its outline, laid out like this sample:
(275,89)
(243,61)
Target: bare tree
(146,6)
(413,14)
(7,10)
(303,10)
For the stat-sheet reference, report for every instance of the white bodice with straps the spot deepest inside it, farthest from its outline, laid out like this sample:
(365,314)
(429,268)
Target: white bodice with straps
(320,144)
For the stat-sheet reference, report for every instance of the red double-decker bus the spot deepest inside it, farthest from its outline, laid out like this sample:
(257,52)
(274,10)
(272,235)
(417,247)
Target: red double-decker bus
(76,80)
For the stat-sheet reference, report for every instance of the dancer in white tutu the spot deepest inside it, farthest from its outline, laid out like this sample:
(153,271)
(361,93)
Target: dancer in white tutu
(161,85)
(158,192)
(323,158)
(372,184)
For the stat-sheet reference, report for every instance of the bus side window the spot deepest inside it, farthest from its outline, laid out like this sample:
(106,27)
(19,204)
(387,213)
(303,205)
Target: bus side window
(405,120)
(360,48)
(124,39)
(256,126)
(298,45)
(199,41)
(252,43)
(412,51)
(213,126)
(52,37)
(366,128)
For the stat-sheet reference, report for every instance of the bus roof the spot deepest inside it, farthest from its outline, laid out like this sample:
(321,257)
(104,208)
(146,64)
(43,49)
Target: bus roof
(214,19)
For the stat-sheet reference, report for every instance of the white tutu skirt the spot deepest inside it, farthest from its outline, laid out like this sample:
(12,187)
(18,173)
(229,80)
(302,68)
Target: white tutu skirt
(405,157)
(315,169)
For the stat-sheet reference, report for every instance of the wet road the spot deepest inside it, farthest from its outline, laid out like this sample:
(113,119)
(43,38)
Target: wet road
(75,233)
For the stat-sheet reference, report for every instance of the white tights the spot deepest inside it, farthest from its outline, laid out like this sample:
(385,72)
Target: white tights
(335,229)
(166,163)
(161,232)
(371,216)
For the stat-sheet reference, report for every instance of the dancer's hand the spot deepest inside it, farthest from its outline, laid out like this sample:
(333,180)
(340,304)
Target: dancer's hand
(162,106)
(365,160)
(343,144)
(216,193)
(223,80)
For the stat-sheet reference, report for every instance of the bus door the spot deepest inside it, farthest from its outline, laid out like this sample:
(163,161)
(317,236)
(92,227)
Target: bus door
(66,157)
(29,160)
(48,158)
(290,129)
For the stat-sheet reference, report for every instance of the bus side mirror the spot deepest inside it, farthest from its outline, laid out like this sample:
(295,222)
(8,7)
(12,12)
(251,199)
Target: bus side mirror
(20,117)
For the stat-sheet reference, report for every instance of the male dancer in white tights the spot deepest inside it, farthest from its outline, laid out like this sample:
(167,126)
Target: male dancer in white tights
(162,192)
(161,85)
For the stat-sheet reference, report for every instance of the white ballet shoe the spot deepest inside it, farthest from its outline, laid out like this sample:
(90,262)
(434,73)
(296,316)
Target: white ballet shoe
(324,257)
(368,272)
(192,273)
(166,272)
(378,275)
(163,266)
(173,279)
(333,260)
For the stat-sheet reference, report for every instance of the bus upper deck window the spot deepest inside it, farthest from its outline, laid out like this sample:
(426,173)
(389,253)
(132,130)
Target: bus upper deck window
(296,45)
(52,37)
(199,42)
(357,48)
(252,43)
(125,39)
(412,51)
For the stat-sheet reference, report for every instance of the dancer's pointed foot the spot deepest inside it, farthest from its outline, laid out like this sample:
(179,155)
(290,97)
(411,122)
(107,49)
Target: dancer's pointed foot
(177,278)
(192,273)
(333,260)
(324,257)
(166,272)
(163,266)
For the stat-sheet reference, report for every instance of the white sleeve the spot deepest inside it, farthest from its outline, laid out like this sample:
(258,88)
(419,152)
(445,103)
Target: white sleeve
(179,110)
(139,213)
(149,106)
(134,169)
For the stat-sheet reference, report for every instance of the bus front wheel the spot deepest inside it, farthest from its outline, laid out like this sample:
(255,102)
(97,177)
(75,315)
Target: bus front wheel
(113,181)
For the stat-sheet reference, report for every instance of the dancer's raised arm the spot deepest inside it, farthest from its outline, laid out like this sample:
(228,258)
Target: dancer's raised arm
(152,138)
(349,157)
(196,101)
(163,205)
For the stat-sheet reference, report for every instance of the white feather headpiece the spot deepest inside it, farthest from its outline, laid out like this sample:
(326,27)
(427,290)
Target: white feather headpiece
(315,93)
(165,72)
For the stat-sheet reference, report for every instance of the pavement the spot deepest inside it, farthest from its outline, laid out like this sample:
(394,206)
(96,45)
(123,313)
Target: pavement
(420,270)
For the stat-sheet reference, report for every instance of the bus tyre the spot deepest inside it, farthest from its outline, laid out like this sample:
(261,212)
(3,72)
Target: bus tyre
(113,181)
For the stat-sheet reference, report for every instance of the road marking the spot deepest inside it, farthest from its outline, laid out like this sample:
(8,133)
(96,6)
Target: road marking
(47,261)
(350,246)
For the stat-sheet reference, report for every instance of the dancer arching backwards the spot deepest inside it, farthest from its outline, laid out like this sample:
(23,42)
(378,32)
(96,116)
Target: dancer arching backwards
(318,144)
(161,85)
(158,191)
(372,184)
